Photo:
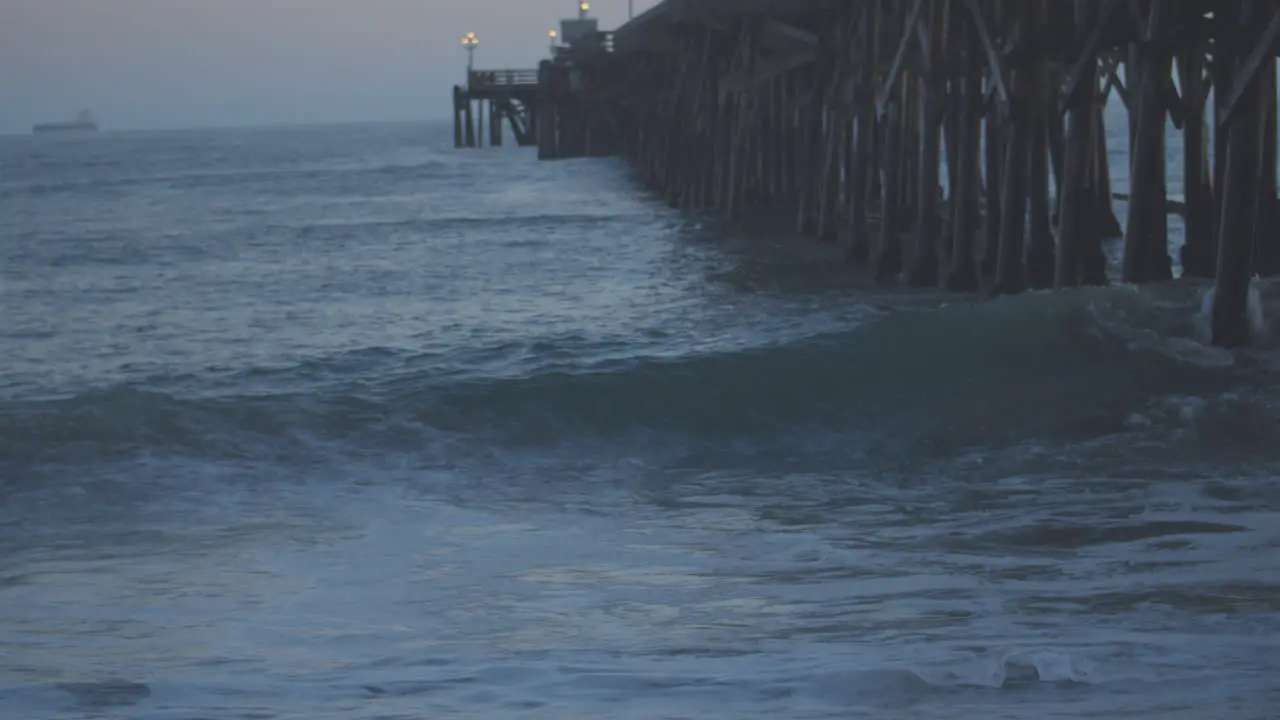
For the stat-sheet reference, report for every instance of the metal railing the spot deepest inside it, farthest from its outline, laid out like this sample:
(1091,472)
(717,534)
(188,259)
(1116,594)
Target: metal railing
(586,46)
(480,79)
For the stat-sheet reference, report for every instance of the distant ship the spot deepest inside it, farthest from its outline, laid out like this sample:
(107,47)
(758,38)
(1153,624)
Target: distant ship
(84,123)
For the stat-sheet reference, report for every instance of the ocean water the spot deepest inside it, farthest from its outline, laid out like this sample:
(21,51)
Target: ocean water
(339,422)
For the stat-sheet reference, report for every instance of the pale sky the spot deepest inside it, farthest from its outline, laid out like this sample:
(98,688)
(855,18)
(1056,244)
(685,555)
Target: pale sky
(141,64)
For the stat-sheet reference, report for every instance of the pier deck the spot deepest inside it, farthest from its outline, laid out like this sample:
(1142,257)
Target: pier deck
(511,95)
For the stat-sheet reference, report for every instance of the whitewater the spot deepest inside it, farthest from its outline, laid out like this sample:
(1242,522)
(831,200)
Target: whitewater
(339,422)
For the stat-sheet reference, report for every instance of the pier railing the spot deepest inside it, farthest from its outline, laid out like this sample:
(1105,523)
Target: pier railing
(497,79)
(587,46)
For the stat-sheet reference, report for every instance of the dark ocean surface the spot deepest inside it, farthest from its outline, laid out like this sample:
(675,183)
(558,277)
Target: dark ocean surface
(339,422)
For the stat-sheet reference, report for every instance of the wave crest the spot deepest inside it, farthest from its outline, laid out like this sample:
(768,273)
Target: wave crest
(930,381)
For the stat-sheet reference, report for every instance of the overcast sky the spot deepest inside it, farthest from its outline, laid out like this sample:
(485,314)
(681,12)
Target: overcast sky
(191,63)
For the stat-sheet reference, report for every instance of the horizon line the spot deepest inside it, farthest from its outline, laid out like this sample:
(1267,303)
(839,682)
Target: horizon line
(249,126)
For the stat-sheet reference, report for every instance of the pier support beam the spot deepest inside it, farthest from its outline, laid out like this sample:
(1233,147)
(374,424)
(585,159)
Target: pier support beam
(1146,255)
(1041,254)
(931,108)
(457,117)
(469,120)
(889,249)
(1266,233)
(546,112)
(1244,108)
(495,124)
(1080,205)
(1011,275)
(1197,254)
(963,275)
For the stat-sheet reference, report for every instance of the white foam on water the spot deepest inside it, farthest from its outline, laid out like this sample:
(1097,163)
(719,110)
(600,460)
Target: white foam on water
(1258,326)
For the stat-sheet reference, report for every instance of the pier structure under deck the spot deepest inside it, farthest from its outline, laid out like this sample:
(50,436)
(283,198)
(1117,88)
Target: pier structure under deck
(959,144)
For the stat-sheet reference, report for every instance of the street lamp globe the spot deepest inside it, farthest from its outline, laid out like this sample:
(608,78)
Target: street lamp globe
(470,42)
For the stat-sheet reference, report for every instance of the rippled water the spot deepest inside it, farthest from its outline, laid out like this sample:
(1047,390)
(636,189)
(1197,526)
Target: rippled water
(342,423)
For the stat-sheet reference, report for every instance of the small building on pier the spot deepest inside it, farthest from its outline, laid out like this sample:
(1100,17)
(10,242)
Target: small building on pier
(553,106)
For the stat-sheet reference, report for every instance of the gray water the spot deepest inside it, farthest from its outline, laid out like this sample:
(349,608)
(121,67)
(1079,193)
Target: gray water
(342,423)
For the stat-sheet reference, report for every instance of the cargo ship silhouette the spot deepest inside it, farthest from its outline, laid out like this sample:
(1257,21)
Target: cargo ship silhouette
(83,123)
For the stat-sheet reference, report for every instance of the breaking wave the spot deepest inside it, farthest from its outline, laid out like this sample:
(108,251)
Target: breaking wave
(933,382)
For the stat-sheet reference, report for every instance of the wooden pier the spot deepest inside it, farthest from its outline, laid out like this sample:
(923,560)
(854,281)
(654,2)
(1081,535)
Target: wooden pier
(511,96)
(952,143)
(559,107)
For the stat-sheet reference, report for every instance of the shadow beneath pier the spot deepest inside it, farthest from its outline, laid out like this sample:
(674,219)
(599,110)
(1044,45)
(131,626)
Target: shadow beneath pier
(761,252)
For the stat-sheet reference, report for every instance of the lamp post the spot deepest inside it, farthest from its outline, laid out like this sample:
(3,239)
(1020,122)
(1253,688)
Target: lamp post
(553,35)
(584,7)
(631,9)
(470,42)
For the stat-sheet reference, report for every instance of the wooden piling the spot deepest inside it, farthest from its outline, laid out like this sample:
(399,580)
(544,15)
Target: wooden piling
(930,109)
(993,159)
(1146,257)
(1011,275)
(457,117)
(495,124)
(1241,122)
(1266,258)
(469,121)
(1041,105)
(546,112)
(1196,254)
(888,260)
(963,276)
(1078,206)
